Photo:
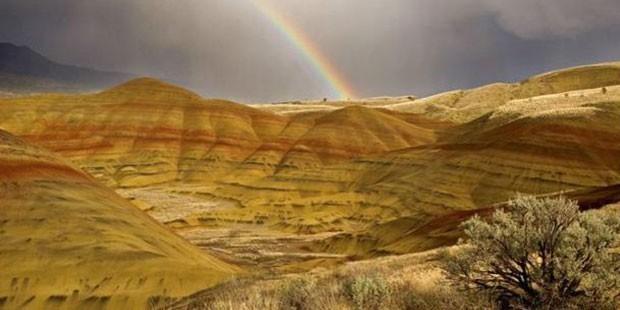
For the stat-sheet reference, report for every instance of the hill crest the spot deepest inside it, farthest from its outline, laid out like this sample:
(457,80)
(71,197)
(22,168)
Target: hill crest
(149,87)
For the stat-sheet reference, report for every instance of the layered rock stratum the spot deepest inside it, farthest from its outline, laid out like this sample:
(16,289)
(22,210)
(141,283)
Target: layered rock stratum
(358,178)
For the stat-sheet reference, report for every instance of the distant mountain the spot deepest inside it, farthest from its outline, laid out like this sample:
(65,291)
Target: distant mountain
(23,70)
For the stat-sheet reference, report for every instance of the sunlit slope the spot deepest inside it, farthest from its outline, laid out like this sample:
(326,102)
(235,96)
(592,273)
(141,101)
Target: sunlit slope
(466,105)
(67,241)
(296,107)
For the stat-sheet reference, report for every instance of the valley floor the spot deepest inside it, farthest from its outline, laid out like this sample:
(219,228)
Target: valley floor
(257,247)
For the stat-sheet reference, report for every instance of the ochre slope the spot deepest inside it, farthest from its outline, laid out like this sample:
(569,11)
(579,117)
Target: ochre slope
(67,241)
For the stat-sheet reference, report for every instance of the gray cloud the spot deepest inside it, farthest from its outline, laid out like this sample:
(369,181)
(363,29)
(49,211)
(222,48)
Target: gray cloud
(227,48)
(542,18)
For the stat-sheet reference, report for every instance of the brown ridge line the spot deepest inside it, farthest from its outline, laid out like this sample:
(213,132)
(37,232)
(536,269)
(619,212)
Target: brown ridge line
(28,170)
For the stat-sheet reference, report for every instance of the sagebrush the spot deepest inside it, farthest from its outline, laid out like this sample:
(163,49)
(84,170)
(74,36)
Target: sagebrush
(540,253)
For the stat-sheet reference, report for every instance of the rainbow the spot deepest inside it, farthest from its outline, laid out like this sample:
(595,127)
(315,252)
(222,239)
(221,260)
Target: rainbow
(311,52)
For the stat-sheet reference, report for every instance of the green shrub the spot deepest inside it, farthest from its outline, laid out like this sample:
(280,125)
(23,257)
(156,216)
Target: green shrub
(367,292)
(540,254)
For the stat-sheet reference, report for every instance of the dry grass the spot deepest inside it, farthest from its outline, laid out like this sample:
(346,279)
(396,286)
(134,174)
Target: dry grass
(403,282)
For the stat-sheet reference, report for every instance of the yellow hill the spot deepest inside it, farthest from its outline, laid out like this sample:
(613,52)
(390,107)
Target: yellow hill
(69,242)
(466,105)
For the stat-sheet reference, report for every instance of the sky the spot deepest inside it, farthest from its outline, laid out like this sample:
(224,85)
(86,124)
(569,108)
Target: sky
(233,49)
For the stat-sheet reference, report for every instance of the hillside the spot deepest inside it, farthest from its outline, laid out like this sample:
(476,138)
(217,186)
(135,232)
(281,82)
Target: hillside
(69,242)
(289,189)
(23,70)
(464,105)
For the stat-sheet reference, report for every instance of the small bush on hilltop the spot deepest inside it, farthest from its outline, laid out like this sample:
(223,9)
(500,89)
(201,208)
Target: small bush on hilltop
(540,254)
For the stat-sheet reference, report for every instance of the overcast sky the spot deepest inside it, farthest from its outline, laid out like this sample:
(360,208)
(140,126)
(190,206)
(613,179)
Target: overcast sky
(229,49)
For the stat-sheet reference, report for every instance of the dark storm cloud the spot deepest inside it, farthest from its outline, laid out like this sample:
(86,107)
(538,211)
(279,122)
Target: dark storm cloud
(539,18)
(227,48)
